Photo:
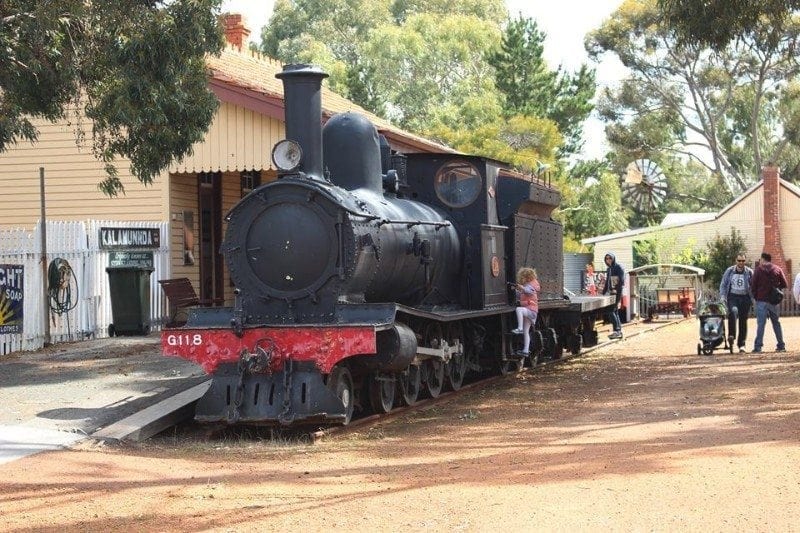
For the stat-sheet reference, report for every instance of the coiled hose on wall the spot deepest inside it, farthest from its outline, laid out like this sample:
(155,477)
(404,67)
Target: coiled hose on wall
(61,286)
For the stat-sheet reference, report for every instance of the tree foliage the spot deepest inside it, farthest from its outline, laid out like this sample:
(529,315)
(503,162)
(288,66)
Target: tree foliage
(721,253)
(591,203)
(524,142)
(137,66)
(431,68)
(661,247)
(347,38)
(434,66)
(330,33)
(717,22)
(731,110)
(531,88)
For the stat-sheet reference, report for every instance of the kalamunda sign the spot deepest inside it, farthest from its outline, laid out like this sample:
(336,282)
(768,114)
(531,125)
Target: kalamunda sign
(114,238)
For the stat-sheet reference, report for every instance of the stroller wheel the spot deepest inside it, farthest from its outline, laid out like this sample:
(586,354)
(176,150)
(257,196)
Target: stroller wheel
(699,348)
(707,351)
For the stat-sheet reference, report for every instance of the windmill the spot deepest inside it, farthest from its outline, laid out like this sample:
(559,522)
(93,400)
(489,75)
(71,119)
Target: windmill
(644,185)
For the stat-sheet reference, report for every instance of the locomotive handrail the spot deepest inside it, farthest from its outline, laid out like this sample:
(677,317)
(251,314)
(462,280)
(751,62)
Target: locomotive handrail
(412,223)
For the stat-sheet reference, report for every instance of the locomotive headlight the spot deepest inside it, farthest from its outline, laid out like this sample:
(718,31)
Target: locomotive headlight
(287,155)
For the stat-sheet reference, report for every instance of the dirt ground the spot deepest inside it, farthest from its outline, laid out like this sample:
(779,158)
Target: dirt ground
(638,435)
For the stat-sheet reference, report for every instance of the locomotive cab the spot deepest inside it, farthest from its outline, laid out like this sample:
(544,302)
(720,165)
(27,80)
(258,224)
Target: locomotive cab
(504,219)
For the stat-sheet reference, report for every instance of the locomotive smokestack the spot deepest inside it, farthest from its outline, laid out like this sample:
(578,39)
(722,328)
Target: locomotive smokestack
(303,109)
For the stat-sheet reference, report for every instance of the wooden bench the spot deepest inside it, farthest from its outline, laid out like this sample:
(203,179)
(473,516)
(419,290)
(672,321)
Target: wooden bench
(181,295)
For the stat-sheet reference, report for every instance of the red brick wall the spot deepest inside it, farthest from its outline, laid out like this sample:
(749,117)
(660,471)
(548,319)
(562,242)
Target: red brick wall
(772,214)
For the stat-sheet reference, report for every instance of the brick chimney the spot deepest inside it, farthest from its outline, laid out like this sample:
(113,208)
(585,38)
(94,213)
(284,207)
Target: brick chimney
(236,33)
(772,217)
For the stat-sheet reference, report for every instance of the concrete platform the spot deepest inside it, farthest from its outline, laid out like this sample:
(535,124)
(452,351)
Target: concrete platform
(68,392)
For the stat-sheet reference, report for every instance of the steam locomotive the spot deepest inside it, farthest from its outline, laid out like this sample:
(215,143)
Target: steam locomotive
(366,278)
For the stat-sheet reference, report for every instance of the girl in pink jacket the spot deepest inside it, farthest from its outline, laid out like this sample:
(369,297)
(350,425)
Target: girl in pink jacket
(528,292)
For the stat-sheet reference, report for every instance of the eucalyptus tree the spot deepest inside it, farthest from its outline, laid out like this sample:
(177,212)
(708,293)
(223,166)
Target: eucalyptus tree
(137,69)
(330,33)
(432,71)
(340,35)
(717,22)
(731,110)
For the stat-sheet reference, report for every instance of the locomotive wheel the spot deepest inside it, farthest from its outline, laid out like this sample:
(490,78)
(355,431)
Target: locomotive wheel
(456,370)
(511,366)
(537,347)
(550,344)
(457,365)
(409,383)
(434,376)
(575,342)
(381,394)
(340,382)
(434,368)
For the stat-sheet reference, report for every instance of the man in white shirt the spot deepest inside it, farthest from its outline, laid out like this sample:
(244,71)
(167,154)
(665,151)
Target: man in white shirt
(734,289)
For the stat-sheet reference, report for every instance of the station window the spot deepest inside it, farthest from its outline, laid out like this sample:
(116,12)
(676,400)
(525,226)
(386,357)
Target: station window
(458,183)
(250,180)
(206,179)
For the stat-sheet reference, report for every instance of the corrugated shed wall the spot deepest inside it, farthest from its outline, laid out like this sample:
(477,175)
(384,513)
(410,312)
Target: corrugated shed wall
(575,270)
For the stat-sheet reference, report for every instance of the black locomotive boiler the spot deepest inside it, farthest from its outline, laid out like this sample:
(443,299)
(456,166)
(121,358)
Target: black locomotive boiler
(365,278)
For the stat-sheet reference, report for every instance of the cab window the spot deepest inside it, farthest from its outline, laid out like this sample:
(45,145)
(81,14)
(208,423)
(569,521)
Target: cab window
(458,183)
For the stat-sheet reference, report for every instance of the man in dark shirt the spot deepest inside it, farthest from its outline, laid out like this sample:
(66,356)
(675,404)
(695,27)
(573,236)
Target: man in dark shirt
(615,281)
(767,275)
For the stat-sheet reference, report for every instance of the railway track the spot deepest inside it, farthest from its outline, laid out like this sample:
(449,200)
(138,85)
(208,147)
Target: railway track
(427,403)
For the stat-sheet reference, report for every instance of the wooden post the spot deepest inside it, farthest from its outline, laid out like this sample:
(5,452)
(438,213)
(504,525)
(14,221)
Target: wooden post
(45,293)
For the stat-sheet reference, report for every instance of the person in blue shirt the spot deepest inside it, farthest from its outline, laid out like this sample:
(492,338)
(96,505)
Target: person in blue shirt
(734,289)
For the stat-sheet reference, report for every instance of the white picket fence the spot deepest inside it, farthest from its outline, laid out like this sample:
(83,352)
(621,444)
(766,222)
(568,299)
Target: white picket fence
(79,244)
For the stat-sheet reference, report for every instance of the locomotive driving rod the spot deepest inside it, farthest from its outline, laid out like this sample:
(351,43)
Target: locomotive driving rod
(444,353)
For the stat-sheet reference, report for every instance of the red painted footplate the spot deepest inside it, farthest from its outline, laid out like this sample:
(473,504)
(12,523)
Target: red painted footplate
(326,346)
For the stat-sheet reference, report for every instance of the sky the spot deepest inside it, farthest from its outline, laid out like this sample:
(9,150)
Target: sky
(565,22)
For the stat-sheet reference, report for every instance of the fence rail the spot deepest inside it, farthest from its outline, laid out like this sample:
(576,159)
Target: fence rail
(87,313)
(647,305)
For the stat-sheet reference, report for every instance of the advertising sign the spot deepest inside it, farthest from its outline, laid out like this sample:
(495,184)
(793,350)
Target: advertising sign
(11,285)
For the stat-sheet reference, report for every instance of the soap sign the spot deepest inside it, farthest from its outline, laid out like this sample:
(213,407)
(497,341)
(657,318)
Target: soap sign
(11,298)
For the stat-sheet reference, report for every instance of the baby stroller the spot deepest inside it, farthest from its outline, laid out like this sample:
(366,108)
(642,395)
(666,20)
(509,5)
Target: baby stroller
(712,315)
